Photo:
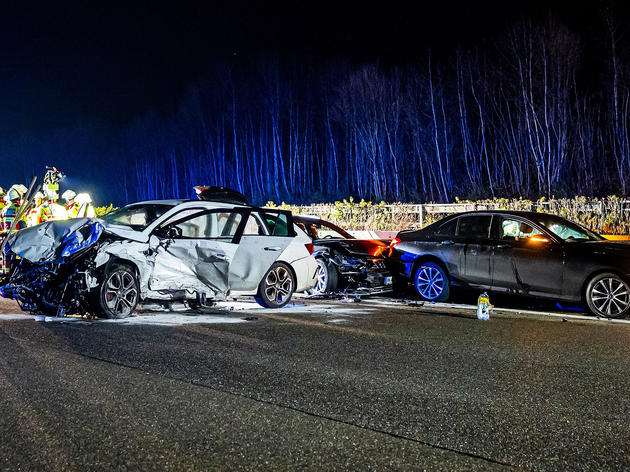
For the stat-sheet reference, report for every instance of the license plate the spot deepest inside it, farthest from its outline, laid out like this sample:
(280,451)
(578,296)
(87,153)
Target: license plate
(387,281)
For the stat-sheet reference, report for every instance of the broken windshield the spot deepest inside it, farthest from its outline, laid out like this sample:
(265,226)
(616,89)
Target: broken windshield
(137,216)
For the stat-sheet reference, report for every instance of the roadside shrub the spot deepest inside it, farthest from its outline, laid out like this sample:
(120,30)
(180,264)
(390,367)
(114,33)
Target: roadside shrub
(608,215)
(104,210)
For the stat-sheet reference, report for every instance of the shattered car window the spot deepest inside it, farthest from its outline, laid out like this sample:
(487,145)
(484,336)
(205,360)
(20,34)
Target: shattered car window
(137,217)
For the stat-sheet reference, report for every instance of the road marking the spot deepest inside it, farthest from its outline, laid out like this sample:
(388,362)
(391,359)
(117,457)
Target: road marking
(498,310)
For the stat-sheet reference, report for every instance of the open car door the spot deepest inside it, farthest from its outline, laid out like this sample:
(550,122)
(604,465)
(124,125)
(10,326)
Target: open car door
(267,233)
(196,250)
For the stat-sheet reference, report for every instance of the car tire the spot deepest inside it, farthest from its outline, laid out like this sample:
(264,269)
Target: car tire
(608,296)
(431,282)
(276,288)
(118,293)
(327,278)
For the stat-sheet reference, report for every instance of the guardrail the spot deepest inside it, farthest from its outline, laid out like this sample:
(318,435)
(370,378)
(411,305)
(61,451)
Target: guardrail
(607,215)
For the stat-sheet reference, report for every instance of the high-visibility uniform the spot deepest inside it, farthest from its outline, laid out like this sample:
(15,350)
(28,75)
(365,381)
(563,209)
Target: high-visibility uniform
(53,212)
(34,216)
(7,217)
(73,209)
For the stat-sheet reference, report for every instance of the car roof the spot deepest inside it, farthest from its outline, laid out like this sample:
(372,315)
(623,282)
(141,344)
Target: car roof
(521,213)
(206,204)
(203,203)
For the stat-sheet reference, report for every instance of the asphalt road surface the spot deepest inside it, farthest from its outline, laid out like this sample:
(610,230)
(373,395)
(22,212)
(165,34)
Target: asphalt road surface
(326,386)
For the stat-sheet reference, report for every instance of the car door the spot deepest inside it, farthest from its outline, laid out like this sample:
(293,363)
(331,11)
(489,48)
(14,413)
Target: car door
(448,246)
(195,252)
(526,259)
(266,234)
(476,264)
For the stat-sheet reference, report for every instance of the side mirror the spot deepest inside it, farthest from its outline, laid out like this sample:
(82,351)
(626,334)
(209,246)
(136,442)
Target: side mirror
(538,240)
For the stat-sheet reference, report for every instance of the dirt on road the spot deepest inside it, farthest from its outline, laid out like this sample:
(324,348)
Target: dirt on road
(9,306)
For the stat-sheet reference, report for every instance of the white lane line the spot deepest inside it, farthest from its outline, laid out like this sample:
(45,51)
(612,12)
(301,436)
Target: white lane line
(498,310)
(162,319)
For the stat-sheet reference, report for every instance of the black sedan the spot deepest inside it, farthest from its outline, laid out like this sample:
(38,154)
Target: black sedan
(524,253)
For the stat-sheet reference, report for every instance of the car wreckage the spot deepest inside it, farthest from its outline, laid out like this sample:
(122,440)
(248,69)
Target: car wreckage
(345,262)
(158,252)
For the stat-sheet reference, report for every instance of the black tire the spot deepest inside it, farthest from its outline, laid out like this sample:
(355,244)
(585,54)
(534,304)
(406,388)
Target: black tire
(327,278)
(276,287)
(608,295)
(118,292)
(431,282)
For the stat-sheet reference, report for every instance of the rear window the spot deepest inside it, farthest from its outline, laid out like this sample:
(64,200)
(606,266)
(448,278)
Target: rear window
(448,228)
(475,226)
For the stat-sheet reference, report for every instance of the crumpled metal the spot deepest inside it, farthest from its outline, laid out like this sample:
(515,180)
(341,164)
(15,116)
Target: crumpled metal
(40,243)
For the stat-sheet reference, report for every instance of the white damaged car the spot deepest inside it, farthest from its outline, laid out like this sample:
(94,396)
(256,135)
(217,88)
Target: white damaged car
(166,251)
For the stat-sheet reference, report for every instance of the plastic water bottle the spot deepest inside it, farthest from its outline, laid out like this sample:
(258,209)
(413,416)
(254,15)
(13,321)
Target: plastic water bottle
(483,306)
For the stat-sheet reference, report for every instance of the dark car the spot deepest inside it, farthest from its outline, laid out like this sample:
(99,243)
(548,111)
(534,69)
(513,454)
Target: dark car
(524,253)
(343,260)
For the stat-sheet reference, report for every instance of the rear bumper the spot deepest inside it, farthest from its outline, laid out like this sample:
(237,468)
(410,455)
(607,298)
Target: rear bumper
(305,270)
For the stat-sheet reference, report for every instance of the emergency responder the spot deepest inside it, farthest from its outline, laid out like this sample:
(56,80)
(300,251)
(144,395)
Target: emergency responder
(85,207)
(34,216)
(10,212)
(20,189)
(51,210)
(72,207)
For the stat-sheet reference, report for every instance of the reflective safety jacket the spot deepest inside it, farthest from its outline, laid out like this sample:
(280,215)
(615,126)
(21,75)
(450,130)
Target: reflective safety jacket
(73,209)
(53,212)
(7,217)
(34,216)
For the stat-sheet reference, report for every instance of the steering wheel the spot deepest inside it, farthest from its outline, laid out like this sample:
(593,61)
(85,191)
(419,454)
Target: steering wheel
(328,236)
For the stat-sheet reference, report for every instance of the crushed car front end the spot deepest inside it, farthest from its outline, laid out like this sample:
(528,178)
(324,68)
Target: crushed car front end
(51,266)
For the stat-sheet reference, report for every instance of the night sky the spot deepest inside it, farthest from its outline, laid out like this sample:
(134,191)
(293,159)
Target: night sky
(101,62)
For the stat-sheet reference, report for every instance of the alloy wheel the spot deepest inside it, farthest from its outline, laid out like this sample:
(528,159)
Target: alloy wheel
(121,294)
(278,284)
(610,296)
(321,276)
(430,282)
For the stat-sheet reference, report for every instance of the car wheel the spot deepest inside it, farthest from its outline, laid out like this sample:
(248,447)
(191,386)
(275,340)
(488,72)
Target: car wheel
(327,278)
(118,293)
(608,295)
(431,282)
(277,286)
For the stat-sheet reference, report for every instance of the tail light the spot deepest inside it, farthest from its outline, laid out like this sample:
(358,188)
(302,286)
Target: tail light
(309,248)
(394,242)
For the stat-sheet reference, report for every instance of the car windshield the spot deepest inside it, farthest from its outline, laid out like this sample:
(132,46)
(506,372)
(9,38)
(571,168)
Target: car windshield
(567,230)
(318,229)
(137,216)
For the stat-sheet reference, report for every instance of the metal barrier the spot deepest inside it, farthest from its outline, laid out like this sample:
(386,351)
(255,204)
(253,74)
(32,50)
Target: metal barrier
(606,215)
